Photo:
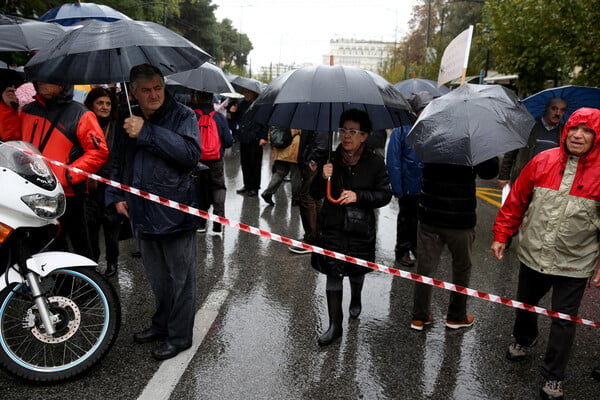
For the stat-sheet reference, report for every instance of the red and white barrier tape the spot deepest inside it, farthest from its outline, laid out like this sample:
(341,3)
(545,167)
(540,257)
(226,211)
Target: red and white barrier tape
(339,256)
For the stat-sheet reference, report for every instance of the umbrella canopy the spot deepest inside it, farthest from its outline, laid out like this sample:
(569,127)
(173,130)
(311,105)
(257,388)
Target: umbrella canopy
(104,52)
(314,97)
(469,125)
(576,97)
(21,34)
(241,82)
(72,13)
(206,78)
(410,87)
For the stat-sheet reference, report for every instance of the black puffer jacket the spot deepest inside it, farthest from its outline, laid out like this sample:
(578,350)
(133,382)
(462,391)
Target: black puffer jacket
(447,197)
(369,180)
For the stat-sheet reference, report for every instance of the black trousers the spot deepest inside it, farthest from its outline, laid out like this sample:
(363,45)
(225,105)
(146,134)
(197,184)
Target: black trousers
(566,297)
(73,236)
(406,226)
(251,162)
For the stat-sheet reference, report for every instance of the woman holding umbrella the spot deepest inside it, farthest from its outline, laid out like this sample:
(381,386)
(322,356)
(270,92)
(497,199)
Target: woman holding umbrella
(347,225)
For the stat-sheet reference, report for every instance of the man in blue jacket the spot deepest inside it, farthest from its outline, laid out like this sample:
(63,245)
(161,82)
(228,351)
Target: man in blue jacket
(406,174)
(158,148)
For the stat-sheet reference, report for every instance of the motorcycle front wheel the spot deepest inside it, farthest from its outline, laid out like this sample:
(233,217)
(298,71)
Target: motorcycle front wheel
(87,316)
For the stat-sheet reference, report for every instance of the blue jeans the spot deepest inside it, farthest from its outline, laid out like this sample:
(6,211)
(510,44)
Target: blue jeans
(170,262)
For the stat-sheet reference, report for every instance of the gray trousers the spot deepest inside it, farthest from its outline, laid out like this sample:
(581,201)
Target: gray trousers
(430,243)
(170,262)
(280,170)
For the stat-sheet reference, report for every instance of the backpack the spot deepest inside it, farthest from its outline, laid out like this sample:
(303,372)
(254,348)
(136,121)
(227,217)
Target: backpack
(280,138)
(209,136)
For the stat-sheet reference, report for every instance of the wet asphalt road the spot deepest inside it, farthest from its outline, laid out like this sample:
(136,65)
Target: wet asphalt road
(261,309)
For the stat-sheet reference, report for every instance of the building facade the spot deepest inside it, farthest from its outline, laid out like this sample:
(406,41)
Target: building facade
(369,55)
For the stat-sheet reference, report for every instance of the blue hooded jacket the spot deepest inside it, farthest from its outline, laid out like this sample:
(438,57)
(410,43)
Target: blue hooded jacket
(158,161)
(404,168)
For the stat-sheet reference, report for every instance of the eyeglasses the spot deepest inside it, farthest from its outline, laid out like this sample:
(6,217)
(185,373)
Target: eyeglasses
(350,132)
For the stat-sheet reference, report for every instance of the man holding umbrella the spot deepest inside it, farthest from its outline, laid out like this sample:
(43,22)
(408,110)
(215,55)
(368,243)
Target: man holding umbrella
(159,147)
(544,135)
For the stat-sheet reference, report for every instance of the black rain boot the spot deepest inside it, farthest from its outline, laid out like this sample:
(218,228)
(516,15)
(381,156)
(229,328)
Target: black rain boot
(334,309)
(355,304)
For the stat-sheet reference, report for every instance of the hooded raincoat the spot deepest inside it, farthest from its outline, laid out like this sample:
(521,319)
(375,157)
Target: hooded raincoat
(555,203)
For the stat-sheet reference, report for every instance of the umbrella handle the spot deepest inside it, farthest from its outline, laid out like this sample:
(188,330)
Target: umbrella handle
(329,197)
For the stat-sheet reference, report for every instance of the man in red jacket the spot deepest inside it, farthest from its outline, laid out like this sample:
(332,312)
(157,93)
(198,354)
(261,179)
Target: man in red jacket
(554,202)
(66,131)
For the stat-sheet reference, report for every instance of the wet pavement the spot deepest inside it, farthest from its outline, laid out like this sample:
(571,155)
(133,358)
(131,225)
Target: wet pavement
(261,309)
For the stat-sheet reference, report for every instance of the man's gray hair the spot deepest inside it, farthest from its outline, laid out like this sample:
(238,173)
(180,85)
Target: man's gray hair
(144,72)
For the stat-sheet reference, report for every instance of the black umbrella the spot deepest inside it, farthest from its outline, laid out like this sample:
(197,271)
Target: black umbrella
(72,13)
(314,97)
(206,78)
(241,82)
(469,125)
(410,87)
(21,34)
(105,52)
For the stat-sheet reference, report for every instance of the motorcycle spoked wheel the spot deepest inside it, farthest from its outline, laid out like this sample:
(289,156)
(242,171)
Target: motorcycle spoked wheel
(88,316)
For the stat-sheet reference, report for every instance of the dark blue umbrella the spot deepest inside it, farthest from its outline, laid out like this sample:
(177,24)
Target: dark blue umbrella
(72,13)
(576,97)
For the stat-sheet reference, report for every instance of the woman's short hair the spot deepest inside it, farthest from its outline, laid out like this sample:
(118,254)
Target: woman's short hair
(359,116)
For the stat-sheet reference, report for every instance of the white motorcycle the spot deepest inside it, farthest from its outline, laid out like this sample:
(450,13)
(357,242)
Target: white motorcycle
(58,316)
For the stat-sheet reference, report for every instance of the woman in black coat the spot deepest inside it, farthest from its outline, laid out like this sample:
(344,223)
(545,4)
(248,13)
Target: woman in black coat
(359,179)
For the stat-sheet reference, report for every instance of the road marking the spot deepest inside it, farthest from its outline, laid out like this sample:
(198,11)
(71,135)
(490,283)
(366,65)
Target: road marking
(486,194)
(165,379)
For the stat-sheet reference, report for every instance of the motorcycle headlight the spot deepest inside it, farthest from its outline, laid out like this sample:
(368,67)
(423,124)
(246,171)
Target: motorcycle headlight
(43,206)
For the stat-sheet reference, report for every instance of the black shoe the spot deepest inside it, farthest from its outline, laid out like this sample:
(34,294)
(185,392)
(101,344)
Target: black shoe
(148,335)
(251,193)
(404,262)
(596,373)
(136,254)
(217,227)
(268,198)
(165,350)
(242,190)
(111,269)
